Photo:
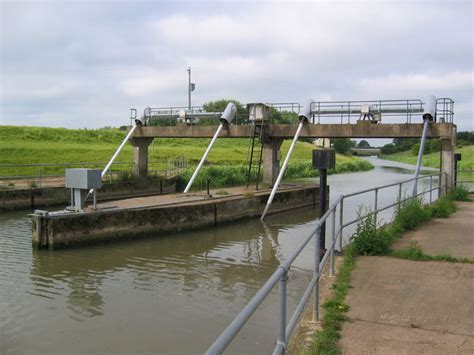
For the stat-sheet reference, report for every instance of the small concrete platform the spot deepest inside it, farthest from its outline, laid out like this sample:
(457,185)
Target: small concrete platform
(409,307)
(453,236)
(156,215)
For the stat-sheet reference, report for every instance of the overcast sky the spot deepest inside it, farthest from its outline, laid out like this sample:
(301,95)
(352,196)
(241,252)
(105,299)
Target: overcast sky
(85,63)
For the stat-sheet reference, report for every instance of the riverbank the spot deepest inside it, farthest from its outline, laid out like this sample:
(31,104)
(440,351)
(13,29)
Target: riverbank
(433,159)
(367,253)
(35,145)
(406,306)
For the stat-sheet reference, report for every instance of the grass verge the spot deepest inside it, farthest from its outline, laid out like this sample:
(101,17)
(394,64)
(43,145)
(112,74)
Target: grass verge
(415,252)
(326,340)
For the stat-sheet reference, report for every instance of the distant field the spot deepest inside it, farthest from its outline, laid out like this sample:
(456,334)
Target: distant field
(33,145)
(433,160)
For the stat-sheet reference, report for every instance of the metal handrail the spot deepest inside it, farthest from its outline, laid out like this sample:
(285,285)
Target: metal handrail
(285,330)
(463,182)
(401,108)
(172,166)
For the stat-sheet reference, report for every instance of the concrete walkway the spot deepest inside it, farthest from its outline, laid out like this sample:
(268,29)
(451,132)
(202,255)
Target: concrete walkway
(453,235)
(415,307)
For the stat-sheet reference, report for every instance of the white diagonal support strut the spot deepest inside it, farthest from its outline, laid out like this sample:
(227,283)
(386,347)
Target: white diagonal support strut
(283,169)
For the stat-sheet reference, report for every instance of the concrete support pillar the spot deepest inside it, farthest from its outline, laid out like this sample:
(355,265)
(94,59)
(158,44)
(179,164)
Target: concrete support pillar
(448,146)
(271,160)
(140,156)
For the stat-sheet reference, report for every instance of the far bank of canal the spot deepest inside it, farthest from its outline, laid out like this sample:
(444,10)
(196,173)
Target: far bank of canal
(170,295)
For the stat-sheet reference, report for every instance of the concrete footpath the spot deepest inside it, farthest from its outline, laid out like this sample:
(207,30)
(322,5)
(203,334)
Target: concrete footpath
(414,307)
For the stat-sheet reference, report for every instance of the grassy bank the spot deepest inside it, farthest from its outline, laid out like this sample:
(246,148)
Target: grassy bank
(433,159)
(33,145)
(369,239)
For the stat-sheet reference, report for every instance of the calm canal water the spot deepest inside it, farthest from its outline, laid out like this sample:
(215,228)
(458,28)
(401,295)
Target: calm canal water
(168,295)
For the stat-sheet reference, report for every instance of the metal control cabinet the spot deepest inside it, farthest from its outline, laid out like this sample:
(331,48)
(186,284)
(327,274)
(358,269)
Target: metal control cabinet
(80,181)
(324,159)
(258,112)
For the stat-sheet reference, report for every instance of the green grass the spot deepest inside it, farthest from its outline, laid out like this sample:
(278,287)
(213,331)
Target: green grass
(34,145)
(326,340)
(433,160)
(415,252)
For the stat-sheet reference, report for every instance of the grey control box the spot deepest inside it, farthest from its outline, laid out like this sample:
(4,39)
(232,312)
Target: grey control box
(85,179)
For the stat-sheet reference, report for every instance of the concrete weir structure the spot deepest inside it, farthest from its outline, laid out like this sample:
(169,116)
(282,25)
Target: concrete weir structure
(155,215)
(276,133)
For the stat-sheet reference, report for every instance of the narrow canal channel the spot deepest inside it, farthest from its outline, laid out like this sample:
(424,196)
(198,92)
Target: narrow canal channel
(168,295)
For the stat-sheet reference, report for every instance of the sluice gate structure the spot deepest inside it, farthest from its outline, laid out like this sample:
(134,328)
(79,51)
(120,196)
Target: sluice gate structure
(343,119)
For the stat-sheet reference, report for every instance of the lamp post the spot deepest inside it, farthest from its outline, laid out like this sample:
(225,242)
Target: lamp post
(191,87)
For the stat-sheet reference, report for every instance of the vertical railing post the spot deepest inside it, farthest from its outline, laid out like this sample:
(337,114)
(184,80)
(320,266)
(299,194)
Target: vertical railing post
(376,206)
(400,196)
(431,188)
(341,222)
(333,244)
(282,317)
(317,257)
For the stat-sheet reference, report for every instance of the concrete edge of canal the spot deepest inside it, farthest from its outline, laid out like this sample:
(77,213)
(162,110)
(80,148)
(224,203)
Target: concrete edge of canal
(73,229)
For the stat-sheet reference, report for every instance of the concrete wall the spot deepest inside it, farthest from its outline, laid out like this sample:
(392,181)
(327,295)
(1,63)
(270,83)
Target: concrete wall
(50,196)
(84,228)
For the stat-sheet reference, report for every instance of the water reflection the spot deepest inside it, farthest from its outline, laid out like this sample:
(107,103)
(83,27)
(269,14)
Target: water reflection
(215,259)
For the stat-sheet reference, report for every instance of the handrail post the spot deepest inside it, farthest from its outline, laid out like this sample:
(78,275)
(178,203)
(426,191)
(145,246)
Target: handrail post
(333,233)
(400,196)
(431,188)
(375,206)
(282,317)
(317,257)
(341,222)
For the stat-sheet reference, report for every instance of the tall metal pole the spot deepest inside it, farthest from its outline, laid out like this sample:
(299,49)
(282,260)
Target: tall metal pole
(189,88)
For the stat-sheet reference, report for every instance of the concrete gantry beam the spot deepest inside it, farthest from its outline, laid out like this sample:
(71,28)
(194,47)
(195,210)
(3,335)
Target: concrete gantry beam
(271,160)
(275,134)
(395,130)
(140,155)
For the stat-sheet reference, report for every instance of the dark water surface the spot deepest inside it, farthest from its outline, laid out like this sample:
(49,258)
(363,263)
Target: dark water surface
(168,295)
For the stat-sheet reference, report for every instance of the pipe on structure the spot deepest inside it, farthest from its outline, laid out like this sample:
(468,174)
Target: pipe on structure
(138,122)
(227,116)
(304,117)
(429,115)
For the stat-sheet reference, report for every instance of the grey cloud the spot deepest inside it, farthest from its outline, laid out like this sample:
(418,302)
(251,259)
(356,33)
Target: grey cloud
(109,56)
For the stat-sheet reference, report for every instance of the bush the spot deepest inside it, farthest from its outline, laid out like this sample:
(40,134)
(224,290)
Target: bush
(370,240)
(410,215)
(441,208)
(218,176)
(431,146)
(459,194)
(342,145)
